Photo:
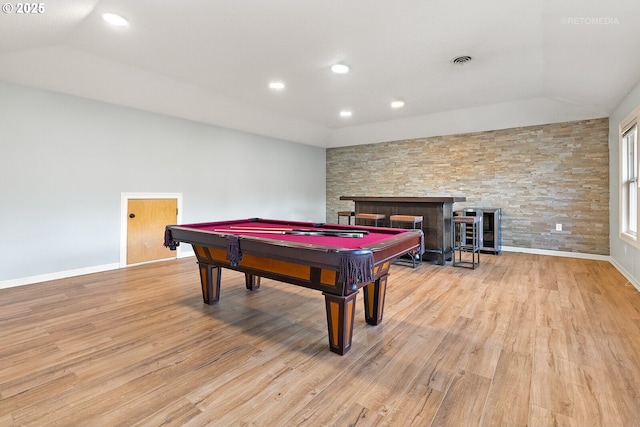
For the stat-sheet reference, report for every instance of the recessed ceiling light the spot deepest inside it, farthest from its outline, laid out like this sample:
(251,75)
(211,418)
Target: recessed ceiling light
(114,19)
(345,113)
(397,104)
(339,68)
(276,85)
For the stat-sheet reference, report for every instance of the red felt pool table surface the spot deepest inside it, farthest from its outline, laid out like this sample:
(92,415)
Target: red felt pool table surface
(243,228)
(337,266)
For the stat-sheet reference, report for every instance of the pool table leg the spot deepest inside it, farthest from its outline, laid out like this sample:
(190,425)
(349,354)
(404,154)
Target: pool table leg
(340,315)
(374,294)
(252,281)
(210,276)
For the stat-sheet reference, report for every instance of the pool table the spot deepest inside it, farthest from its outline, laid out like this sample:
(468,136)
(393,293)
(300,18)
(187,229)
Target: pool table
(333,258)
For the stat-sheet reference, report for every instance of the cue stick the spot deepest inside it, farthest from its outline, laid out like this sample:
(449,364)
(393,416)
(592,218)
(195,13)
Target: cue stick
(237,230)
(296,232)
(319,229)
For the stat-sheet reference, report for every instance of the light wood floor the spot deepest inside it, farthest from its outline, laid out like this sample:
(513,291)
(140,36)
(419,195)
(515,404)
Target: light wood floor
(523,340)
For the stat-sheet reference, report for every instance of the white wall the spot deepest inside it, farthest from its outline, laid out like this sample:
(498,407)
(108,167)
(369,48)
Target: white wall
(66,160)
(624,256)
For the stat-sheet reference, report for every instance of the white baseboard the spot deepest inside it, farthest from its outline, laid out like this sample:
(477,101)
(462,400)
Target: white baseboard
(187,253)
(556,253)
(58,275)
(70,273)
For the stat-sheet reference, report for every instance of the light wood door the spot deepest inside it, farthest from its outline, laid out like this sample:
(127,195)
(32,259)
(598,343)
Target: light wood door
(146,221)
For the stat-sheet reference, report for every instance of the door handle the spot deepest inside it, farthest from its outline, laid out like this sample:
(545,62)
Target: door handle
(132,215)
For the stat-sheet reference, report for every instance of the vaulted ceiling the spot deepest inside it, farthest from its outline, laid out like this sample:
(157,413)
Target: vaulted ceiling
(533,62)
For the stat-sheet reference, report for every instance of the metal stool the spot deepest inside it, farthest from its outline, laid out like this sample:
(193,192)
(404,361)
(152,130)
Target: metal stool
(414,220)
(466,238)
(348,214)
(370,217)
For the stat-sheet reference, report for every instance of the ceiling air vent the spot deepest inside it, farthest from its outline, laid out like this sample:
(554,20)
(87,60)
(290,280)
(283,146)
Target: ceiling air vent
(461,60)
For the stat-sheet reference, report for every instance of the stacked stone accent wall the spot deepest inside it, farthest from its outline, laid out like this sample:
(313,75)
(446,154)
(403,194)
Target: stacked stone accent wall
(539,176)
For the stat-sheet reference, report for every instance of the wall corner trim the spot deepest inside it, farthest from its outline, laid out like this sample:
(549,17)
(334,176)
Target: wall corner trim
(626,274)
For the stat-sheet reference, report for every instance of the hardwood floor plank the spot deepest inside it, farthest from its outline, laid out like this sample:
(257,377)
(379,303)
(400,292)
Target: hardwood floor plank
(551,386)
(548,308)
(623,377)
(464,401)
(417,407)
(545,417)
(594,400)
(509,395)
(24,405)
(521,330)
(330,402)
(176,414)
(358,415)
